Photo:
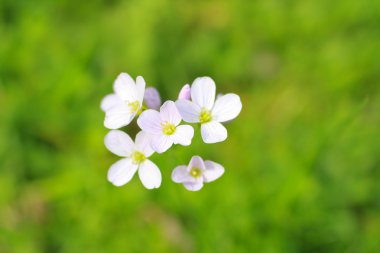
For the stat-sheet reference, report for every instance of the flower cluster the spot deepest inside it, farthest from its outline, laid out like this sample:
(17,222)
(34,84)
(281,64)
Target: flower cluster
(161,128)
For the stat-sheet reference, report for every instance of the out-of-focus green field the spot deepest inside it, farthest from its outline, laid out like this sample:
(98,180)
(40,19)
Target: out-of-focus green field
(302,160)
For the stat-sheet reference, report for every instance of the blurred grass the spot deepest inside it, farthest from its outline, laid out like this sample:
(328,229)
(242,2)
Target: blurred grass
(302,160)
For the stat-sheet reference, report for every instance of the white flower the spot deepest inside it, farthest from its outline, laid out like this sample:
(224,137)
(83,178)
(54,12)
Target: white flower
(185,92)
(123,105)
(152,98)
(197,173)
(204,109)
(163,127)
(136,155)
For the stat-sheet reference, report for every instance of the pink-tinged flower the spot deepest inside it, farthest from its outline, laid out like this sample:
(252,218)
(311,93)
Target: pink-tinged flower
(123,105)
(163,127)
(198,172)
(185,92)
(210,113)
(135,159)
(152,98)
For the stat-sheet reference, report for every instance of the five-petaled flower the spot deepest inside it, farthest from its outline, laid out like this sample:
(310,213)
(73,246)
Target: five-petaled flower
(198,172)
(135,158)
(210,113)
(123,105)
(163,127)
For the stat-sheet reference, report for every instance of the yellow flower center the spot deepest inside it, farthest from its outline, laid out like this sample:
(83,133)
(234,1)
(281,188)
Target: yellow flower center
(195,172)
(138,157)
(205,116)
(134,106)
(168,128)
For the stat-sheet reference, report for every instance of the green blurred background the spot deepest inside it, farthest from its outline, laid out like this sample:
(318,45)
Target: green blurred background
(302,159)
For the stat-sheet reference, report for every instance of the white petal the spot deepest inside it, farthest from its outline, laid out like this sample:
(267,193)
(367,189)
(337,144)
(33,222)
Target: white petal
(196,162)
(150,175)
(110,101)
(119,143)
(193,186)
(188,110)
(118,116)
(185,92)
(142,143)
(140,88)
(121,172)
(180,174)
(125,88)
(183,135)
(213,132)
(213,171)
(161,143)
(152,98)
(170,113)
(203,92)
(150,122)
(227,107)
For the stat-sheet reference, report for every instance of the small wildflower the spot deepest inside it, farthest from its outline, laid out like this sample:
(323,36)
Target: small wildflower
(209,113)
(198,172)
(135,159)
(123,105)
(163,127)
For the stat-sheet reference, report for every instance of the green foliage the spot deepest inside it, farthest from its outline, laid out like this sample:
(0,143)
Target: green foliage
(302,160)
